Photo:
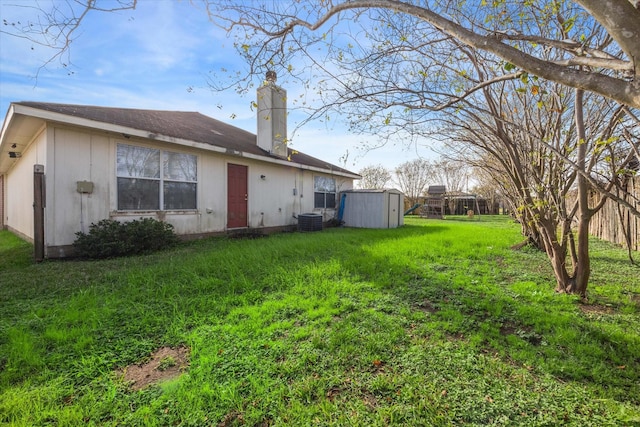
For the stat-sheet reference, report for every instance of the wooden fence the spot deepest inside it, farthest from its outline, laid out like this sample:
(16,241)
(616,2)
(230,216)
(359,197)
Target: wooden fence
(613,221)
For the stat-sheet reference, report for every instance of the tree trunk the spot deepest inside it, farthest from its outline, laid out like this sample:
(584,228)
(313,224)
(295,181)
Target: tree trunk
(557,254)
(577,281)
(529,230)
(582,269)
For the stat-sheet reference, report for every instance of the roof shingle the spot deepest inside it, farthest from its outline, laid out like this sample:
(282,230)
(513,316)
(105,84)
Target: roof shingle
(186,125)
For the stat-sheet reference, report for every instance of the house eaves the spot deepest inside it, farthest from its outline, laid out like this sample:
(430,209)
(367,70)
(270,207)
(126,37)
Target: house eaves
(200,132)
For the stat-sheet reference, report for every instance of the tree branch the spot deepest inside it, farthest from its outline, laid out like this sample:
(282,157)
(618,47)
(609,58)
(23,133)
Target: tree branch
(620,90)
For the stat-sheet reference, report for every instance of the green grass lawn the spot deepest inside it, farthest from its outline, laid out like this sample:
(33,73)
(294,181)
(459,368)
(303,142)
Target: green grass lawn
(437,323)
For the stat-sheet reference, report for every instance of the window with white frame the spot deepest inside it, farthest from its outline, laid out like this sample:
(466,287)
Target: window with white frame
(324,192)
(154,179)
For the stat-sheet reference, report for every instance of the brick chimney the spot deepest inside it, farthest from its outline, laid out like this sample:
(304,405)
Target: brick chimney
(272,117)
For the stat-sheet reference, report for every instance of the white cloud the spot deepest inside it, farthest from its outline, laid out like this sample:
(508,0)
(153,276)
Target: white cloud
(159,57)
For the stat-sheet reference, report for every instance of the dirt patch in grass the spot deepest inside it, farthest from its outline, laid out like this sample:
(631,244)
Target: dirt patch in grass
(232,418)
(525,332)
(508,329)
(370,401)
(427,306)
(596,309)
(164,364)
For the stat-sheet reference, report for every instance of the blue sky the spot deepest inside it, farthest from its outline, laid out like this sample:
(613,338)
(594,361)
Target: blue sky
(159,56)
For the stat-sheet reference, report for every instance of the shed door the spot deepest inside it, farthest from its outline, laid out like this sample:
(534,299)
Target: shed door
(394,210)
(237,196)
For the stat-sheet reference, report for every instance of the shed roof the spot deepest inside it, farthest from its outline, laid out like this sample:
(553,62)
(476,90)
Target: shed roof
(372,190)
(168,126)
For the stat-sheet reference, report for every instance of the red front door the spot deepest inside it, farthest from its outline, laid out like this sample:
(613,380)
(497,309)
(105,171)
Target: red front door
(237,196)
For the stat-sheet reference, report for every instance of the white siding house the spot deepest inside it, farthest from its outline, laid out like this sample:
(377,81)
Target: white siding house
(197,173)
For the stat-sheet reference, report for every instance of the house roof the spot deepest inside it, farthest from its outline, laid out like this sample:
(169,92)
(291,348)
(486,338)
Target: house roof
(170,126)
(436,190)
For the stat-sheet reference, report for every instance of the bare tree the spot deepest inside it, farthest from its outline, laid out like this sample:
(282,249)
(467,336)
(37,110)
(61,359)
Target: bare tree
(547,156)
(491,28)
(484,186)
(413,177)
(452,174)
(374,177)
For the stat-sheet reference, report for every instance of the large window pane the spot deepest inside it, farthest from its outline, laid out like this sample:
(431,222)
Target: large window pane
(179,167)
(138,162)
(179,195)
(324,192)
(143,182)
(324,184)
(138,194)
(318,200)
(330,201)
